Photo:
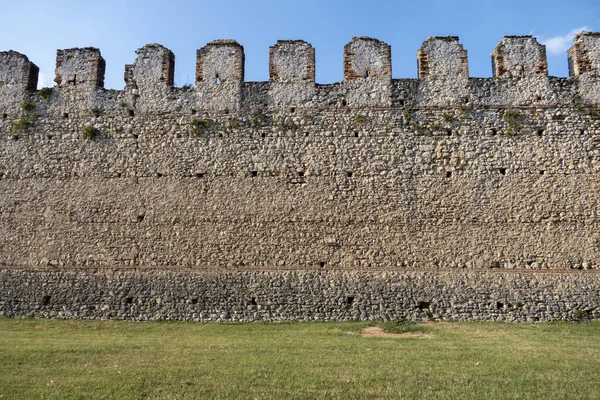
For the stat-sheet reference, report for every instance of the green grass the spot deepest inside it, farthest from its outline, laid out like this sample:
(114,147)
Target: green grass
(125,360)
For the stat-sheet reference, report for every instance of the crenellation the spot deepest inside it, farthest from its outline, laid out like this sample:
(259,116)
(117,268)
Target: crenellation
(442,57)
(519,57)
(584,55)
(220,61)
(18,78)
(79,67)
(291,61)
(368,72)
(153,67)
(292,74)
(367,58)
(443,71)
(219,75)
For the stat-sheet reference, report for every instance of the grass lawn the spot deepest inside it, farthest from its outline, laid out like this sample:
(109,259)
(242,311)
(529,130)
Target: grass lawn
(53,359)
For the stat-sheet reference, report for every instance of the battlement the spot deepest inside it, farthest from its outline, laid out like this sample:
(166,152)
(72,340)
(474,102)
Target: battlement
(519,70)
(519,57)
(80,67)
(584,56)
(292,61)
(442,56)
(18,78)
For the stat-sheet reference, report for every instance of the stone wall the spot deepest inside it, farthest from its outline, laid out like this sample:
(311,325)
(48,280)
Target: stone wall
(450,185)
(300,295)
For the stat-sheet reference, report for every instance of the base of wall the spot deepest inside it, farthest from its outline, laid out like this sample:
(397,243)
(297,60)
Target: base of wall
(301,295)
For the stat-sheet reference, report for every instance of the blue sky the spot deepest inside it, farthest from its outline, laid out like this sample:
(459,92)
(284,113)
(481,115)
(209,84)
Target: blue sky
(118,27)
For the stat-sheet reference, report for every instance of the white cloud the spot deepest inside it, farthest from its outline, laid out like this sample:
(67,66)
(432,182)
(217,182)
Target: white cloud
(560,44)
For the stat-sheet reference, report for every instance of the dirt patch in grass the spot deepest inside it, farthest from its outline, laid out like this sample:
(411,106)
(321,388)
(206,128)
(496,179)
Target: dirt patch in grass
(375,331)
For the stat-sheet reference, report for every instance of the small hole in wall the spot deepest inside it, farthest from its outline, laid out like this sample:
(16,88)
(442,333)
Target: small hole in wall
(502,171)
(349,174)
(4,116)
(499,305)
(449,132)
(65,115)
(344,103)
(542,172)
(349,300)
(494,131)
(131,113)
(581,131)
(15,137)
(402,102)
(539,132)
(46,300)
(140,218)
(263,134)
(538,98)
(129,300)
(252,302)
(300,174)
(293,110)
(253,173)
(422,305)
(448,174)
(226,111)
(49,137)
(134,135)
(199,175)
(158,175)
(194,301)
(355,134)
(322,264)
(466,100)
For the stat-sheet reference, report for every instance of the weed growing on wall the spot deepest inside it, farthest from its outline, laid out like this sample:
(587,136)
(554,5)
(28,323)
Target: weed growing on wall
(28,106)
(22,125)
(258,120)
(360,119)
(90,133)
(287,126)
(577,101)
(513,119)
(45,93)
(200,126)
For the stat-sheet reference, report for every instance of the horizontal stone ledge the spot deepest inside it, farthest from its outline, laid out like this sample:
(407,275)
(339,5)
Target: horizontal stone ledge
(190,271)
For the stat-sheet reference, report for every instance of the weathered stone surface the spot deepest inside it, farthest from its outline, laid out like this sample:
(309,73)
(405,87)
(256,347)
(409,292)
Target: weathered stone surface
(584,56)
(519,57)
(300,295)
(397,193)
(18,77)
(442,57)
(79,67)
(219,75)
(292,61)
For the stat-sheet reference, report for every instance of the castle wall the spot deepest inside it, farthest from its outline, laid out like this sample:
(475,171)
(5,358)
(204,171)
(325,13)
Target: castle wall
(301,295)
(451,185)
